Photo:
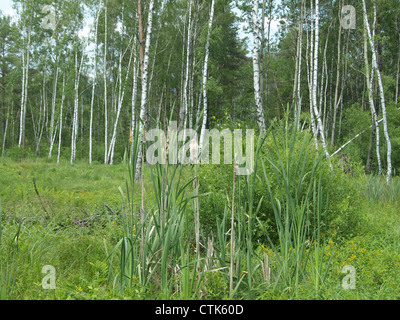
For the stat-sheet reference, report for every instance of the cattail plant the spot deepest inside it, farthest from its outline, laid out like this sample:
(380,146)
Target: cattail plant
(232,230)
(162,228)
(266,270)
(297,202)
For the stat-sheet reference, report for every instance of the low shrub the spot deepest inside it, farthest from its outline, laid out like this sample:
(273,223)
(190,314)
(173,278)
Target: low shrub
(337,180)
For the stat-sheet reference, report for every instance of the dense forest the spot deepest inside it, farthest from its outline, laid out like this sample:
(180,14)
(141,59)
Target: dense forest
(83,82)
(80,76)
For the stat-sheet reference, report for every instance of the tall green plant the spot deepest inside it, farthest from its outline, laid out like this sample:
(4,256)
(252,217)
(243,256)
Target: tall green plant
(8,261)
(298,208)
(155,246)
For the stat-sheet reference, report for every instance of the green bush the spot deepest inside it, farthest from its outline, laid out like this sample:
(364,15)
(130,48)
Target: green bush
(216,180)
(16,153)
(344,192)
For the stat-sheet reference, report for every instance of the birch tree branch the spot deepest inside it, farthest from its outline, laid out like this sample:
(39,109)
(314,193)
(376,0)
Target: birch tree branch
(351,140)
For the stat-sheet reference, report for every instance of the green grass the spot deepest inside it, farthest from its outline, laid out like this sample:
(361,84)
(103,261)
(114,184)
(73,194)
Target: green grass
(70,228)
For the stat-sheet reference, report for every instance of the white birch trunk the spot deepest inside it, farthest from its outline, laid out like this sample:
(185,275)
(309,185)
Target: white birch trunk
(75,123)
(150,81)
(186,79)
(143,102)
(91,112)
(61,115)
(105,89)
(337,100)
(382,96)
(22,101)
(315,81)
(93,87)
(41,122)
(25,92)
(204,84)
(52,132)
(369,80)
(256,68)
(121,95)
(297,82)
(134,92)
(5,131)
(309,60)
(191,96)
(75,113)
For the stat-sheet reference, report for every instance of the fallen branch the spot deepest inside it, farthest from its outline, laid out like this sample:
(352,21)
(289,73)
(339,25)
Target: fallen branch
(111,210)
(40,198)
(348,142)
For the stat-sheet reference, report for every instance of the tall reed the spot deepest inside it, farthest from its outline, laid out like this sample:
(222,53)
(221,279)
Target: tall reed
(162,242)
(8,261)
(298,207)
(156,244)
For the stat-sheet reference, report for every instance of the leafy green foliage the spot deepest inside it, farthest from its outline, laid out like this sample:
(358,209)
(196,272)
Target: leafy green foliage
(342,187)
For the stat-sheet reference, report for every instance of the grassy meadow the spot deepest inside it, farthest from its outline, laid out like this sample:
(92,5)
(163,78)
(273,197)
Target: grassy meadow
(296,224)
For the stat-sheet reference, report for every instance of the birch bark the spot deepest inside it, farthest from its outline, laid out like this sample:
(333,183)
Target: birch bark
(75,123)
(338,63)
(105,88)
(121,95)
(204,84)
(315,81)
(53,107)
(256,67)
(381,93)
(94,86)
(369,80)
(60,124)
(143,102)
(24,96)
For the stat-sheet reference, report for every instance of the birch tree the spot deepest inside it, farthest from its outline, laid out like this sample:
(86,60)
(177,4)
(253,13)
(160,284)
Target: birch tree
(204,82)
(310,61)
(184,108)
(24,95)
(144,56)
(105,86)
(369,81)
(75,123)
(121,94)
(61,120)
(75,112)
(5,131)
(94,84)
(134,93)
(256,67)
(296,100)
(315,82)
(381,93)
(53,133)
(38,122)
